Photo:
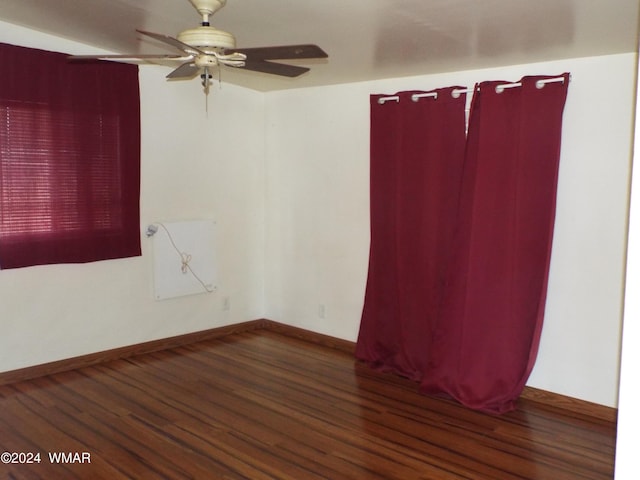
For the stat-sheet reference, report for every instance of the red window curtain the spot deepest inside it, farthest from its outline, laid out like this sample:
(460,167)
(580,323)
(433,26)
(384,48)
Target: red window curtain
(417,151)
(461,234)
(69,159)
(488,331)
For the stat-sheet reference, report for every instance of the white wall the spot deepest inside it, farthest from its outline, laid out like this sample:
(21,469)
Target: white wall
(317,236)
(194,166)
(628,414)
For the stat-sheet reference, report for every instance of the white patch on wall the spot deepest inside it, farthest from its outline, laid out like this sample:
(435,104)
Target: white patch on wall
(184,258)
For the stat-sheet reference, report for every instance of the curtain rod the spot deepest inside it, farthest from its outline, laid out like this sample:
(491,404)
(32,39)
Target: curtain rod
(456,93)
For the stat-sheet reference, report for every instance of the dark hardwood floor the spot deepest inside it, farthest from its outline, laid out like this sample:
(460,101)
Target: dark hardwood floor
(260,405)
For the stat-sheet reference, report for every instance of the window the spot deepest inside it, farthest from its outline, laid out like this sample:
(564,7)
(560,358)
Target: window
(69,159)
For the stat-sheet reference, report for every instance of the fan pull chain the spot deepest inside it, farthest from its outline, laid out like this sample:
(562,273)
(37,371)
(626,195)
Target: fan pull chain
(206,83)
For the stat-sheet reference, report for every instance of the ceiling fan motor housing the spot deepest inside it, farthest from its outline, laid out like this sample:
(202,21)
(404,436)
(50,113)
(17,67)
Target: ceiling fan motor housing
(205,38)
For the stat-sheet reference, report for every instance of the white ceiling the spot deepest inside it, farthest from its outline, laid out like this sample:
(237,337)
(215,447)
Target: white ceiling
(365,39)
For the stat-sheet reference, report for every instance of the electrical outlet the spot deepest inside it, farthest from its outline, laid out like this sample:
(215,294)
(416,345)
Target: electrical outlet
(321,310)
(226,304)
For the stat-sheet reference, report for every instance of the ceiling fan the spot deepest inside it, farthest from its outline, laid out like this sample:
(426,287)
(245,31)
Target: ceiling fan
(205,47)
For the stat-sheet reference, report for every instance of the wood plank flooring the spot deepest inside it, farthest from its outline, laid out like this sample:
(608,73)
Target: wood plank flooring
(260,405)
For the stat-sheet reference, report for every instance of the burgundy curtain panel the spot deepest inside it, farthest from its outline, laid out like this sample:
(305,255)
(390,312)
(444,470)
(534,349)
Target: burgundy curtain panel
(482,291)
(417,152)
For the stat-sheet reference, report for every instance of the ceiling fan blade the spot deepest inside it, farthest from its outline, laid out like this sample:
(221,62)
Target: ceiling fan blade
(274,68)
(132,56)
(284,52)
(186,70)
(174,42)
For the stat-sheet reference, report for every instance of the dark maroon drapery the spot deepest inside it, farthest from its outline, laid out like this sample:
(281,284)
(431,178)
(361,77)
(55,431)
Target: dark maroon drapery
(411,227)
(69,159)
(475,337)
(489,326)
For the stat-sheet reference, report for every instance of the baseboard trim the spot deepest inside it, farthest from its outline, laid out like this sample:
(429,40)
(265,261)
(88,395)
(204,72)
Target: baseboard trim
(311,337)
(569,404)
(74,363)
(555,400)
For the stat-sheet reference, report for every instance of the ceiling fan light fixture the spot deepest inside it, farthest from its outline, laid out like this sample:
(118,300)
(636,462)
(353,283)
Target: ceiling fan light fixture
(207,37)
(205,61)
